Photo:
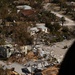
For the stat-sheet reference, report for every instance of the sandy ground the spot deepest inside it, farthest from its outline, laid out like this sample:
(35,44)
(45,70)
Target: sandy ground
(58,50)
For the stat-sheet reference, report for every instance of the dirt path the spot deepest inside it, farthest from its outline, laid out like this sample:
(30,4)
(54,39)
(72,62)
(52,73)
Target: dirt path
(68,22)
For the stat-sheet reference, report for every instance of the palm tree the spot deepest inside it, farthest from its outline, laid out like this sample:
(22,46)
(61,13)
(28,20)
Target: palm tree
(62,19)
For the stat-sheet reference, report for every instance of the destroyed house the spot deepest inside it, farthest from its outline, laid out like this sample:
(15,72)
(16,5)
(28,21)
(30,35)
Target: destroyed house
(5,52)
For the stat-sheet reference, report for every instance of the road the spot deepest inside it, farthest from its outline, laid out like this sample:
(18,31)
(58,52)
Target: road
(68,22)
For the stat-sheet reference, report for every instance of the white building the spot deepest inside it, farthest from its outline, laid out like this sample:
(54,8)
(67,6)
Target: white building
(24,49)
(42,27)
(33,30)
(25,7)
(37,28)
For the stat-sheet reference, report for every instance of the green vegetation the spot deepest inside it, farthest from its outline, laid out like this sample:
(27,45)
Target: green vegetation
(36,3)
(53,27)
(46,16)
(62,19)
(18,34)
(2,41)
(6,8)
(21,36)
